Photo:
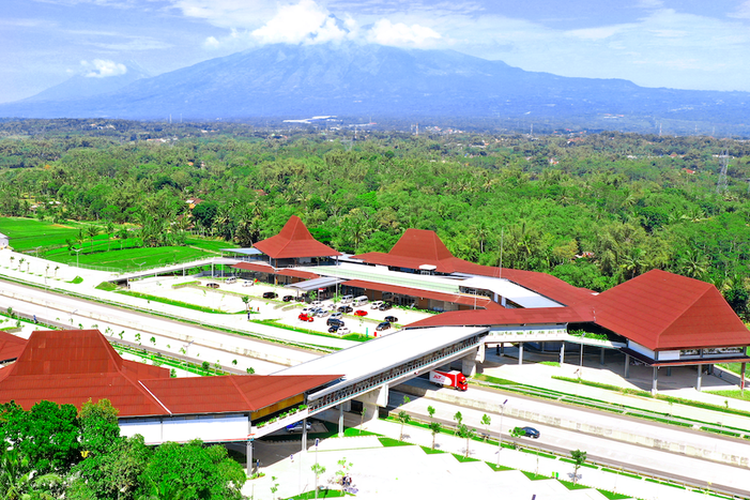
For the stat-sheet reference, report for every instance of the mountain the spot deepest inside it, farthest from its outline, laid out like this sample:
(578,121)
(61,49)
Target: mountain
(298,81)
(82,86)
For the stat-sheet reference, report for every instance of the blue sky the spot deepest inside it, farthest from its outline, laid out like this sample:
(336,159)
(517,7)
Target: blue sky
(687,44)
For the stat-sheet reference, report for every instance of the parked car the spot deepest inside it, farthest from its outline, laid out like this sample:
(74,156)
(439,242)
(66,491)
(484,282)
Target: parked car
(337,315)
(298,426)
(383,326)
(335,321)
(270,295)
(288,298)
(322,312)
(530,432)
(247,283)
(345,309)
(305,317)
(385,306)
(316,303)
(343,331)
(333,328)
(391,319)
(360,312)
(299,298)
(376,304)
(212,285)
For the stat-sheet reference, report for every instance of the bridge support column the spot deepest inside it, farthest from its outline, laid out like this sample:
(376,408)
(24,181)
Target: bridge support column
(654,378)
(742,377)
(304,435)
(372,400)
(699,382)
(249,457)
(469,365)
(601,356)
(520,353)
(562,353)
(341,420)
(627,366)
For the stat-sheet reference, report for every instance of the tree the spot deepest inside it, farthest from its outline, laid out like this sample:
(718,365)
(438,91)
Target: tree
(468,433)
(486,421)
(435,428)
(580,458)
(92,231)
(318,470)
(459,420)
(404,418)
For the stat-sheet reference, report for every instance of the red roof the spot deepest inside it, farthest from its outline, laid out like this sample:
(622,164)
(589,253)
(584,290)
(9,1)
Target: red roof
(232,393)
(10,346)
(480,301)
(501,316)
(665,311)
(73,366)
(294,241)
(419,247)
(296,273)
(252,266)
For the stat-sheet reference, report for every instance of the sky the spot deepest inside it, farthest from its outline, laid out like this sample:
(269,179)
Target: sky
(684,44)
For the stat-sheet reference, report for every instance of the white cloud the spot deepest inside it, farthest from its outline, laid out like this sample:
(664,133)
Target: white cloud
(303,22)
(599,33)
(743,10)
(385,32)
(100,68)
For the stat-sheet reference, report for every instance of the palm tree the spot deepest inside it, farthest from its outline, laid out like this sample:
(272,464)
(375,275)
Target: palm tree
(91,232)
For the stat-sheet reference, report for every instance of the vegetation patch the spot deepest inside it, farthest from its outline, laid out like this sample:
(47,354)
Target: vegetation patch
(572,486)
(107,286)
(77,280)
(550,363)
(430,451)
(162,300)
(611,495)
(736,394)
(498,468)
(351,432)
(534,477)
(390,442)
(464,459)
(322,493)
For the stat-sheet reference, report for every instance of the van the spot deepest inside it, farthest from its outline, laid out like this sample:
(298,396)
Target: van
(230,280)
(362,299)
(346,299)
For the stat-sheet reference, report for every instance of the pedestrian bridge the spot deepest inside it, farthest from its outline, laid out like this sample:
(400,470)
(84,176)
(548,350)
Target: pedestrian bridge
(367,370)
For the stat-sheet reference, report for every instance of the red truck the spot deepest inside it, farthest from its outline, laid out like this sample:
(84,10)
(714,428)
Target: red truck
(449,379)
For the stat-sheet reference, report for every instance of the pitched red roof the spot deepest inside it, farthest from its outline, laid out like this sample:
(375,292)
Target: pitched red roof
(297,273)
(480,301)
(294,241)
(253,266)
(501,316)
(665,311)
(232,393)
(10,346)
(73,366)
(419,247)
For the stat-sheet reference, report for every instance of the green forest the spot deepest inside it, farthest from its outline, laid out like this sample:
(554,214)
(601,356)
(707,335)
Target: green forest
(55,451)
(594,209)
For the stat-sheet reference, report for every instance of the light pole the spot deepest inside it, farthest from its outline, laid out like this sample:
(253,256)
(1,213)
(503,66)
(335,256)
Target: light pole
(317,440)
(77,252)
(500,440)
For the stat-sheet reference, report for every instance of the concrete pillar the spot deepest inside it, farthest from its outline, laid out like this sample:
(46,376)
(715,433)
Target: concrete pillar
(341,420)
(249,457)
(562,353)
(669,371)
(654,380)
(469,365)
(742,377)
(601,356)
(304,435)
(520,353)
(502,349)
(497,350)
(627,366)
(699,382)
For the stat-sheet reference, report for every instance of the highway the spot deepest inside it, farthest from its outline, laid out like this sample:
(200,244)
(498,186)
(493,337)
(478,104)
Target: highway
(697,471)
(58,308)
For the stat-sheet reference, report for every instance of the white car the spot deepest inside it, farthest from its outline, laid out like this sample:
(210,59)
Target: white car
(322,313)
(376,304)
(343,330)
(337,315)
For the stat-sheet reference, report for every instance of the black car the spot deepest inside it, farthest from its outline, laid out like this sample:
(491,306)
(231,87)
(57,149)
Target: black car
(345,309)
(391,319)
(333,328)
(270,295)
(288,298)
(385,306)
(334,322)
(530,432)
(383,326)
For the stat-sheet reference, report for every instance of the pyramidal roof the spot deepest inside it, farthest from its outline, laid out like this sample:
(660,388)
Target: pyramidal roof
(71,366)
(294,241)
(10,346)
(665,311)
(423,243)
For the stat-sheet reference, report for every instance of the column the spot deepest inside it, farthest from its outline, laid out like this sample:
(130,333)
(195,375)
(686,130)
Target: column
(304,435)
(249,457)
(562,353)
(341,420)
(601,356)
(469,365)
(653,380)
(627,366)
(520,353)
(742,377)
(698,383)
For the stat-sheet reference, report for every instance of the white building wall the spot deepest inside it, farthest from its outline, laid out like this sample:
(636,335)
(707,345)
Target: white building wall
(183,429)
(642,350)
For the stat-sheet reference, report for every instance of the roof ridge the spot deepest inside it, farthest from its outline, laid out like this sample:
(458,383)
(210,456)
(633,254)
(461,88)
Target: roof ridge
(233,380)
(140,382)
(707,289)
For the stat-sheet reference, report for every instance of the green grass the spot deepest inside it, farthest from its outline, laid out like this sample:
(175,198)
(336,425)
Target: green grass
(212,245)
(611,495)
(130,259)
(76,281)
(534,477)
(464,459)
(550,363)
(736,394)
(272,322)
(571,485)
(430,451)
(351,432)
(29,234)
(107,286)
(321,494)
(498,468)
(186,305)
(390,442)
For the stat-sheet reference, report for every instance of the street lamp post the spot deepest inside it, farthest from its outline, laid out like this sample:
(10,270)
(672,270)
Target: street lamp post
(500,440)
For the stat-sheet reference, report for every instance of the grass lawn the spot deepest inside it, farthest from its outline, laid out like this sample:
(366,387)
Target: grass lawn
(209,244)
(28,234)
(129,259)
